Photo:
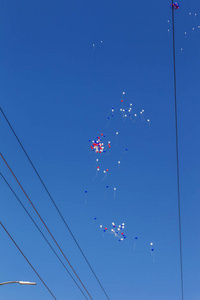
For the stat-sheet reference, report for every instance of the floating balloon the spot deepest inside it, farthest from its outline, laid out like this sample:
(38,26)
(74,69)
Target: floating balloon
(152,251)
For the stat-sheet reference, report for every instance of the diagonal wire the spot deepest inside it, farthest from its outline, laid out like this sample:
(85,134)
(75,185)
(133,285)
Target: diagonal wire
(28,261)
(46,226)
(41,233)
(177,151)
(56,207)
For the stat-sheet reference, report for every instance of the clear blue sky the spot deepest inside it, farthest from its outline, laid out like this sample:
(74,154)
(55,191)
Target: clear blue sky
(57,90)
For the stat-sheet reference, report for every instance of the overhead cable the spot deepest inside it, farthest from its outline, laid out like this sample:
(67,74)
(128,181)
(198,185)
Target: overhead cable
(45,226)
(27,261)
(177,151)
(56,207)
(42,233)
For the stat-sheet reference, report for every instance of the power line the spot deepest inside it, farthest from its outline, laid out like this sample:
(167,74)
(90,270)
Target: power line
(45,226)
(177,151)
(56,207)
(42,233)
(28,261)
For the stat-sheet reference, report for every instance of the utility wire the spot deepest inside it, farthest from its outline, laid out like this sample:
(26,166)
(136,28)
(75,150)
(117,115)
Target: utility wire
(45,226)
(28,261)
(177,151)
(56,207)
(42,233)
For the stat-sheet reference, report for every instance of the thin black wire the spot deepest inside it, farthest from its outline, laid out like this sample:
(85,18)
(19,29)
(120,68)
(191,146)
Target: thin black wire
(177,152)
(42,234)
(45,226)
(28,261)
(59,212)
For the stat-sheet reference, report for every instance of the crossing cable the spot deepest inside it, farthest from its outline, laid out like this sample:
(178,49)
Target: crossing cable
(42,233)
(177,151)
(28,261)
(45,226)
(56,207)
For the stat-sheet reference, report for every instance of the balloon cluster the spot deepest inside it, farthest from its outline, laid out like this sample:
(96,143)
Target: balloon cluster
(98,146)
(175,5)
(117,231)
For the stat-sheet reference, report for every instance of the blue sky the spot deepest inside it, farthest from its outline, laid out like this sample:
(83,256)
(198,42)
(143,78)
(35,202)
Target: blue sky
(57,91)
